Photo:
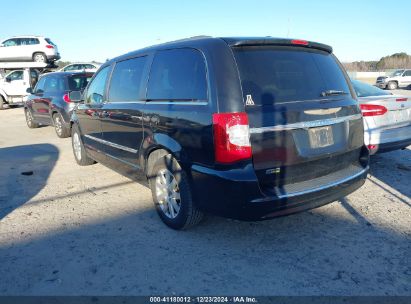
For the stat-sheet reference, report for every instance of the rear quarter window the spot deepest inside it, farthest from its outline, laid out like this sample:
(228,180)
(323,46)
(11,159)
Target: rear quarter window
(271,75)
(178,74)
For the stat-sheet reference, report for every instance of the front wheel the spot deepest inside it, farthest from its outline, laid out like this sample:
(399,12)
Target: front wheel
(61,130)
(31,123)
(392,85)
(79,151)
(172,194)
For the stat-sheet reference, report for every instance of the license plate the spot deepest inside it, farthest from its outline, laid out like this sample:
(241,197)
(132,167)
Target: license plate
(321,137)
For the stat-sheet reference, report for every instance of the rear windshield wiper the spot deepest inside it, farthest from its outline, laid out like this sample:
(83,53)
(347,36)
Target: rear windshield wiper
(333,93)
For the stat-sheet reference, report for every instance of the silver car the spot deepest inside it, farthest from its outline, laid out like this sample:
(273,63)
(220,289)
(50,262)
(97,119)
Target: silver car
(28,48)
(387,118)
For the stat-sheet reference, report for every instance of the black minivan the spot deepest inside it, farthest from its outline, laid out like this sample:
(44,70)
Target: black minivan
(247,128)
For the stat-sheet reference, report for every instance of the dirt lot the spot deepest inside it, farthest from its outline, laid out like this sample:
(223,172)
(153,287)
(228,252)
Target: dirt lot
(70,230)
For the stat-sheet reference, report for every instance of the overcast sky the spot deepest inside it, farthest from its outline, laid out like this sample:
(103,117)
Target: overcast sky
(96,30)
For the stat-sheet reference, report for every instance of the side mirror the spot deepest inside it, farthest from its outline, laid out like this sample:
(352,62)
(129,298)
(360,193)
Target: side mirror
(8,79)
(76,96)
(29,90)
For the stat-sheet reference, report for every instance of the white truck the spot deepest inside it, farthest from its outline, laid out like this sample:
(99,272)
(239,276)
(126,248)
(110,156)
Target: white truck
(400,78)
(15,79)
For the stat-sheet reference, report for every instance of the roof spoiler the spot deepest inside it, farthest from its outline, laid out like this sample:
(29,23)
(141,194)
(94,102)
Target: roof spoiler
(277,41)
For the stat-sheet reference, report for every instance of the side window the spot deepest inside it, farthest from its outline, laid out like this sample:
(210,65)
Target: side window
(89,66)
(178,74)
(16,75)
(69,67)
(95,91)
(10,42)
(40,85)
(126,80)
(33,41)
(407,73)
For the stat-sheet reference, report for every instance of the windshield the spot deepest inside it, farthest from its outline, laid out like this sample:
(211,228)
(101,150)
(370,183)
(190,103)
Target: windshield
(271,75)
(78,82)
(364,89)
(397,73)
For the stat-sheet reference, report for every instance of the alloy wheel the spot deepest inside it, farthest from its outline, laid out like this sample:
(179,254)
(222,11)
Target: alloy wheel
(168,193)
(58,124)
(77,146)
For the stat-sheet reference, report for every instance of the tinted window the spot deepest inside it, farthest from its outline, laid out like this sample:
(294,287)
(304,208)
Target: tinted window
(407,73)
(178,75)
(40,85)
(283,74)
(95,92)
(29,41)
(54,84)
(78,82)
(363,89)
(49,41)
(126,79)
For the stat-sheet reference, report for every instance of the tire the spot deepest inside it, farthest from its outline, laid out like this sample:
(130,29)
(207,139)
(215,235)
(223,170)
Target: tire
(61,130)
(167,174)
(39,57)
(79,151)
(1,102)
(392,85)
(31,123)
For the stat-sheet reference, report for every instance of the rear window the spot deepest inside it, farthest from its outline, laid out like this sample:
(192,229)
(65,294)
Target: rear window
(49,41)
(364,90)
(271,75)
(78,83)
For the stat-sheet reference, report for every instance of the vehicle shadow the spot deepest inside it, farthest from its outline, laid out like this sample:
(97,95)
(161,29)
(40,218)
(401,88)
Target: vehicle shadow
(392,169)
(320,252)
(22,179)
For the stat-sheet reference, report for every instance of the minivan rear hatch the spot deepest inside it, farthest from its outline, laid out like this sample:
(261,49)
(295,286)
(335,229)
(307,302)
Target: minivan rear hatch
(306,127)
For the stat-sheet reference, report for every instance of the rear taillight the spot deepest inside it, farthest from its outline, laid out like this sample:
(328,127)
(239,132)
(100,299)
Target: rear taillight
(66,98)
(299,42)
(231,137)
(401,99)
(49,46)
(372,110)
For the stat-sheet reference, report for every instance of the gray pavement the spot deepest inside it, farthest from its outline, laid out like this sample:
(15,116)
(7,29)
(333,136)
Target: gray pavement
(70,230)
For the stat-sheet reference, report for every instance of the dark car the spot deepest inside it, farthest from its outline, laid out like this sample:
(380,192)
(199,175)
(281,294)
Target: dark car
(49,102)
(248,128)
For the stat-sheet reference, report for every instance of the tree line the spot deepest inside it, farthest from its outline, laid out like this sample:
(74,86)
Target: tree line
(394,61)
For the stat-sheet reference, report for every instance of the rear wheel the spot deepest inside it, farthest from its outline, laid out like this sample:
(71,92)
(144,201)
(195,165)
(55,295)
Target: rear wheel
(79,151)
(392,85)
(31,123)
(39,57)
(172,194)
(61,130)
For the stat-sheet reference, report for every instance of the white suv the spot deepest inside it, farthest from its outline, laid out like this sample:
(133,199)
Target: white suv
(28,48)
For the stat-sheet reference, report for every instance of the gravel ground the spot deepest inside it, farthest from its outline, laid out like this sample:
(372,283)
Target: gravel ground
(70,230)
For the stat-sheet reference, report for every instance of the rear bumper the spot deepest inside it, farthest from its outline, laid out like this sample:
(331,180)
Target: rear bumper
(236,195)
(387,140)
(53,57)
